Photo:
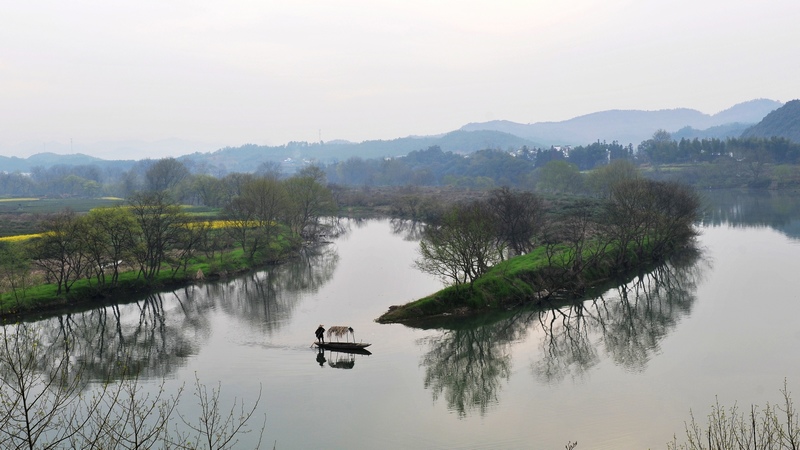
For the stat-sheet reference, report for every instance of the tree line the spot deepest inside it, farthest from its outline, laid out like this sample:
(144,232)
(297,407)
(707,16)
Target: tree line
(662,149)
(199,184)
(486,169)
(639,221)
(150,234)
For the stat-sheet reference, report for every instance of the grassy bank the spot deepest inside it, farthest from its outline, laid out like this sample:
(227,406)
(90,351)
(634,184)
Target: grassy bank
(527,279)
(43,298)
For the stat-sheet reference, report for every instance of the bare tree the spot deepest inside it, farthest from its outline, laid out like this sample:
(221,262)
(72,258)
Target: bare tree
(462,247)
(43,405)
(309,200)
(520,218)
(108,239)
(36,393)
(59,252)
(255,214)
(212,429)
(773,427)
(651,216)
(15,273)
(160,224)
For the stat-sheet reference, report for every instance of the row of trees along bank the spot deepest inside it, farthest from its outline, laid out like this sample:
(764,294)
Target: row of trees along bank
(594,241)
(713,162)
(150,241)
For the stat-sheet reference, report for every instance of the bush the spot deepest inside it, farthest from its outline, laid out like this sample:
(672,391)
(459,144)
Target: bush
(772,428)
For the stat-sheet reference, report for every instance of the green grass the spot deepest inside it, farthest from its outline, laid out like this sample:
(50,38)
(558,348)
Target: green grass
(200,212)
(54,205)
(87,292)
(22,215)
(509,284)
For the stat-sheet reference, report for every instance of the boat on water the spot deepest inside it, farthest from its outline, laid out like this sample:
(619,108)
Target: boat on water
(339,345)
(342,346)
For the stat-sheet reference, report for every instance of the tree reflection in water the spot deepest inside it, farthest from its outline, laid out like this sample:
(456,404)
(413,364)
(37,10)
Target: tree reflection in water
(267,298)
(754,208)
(410,230)
(467,363)
(152,337)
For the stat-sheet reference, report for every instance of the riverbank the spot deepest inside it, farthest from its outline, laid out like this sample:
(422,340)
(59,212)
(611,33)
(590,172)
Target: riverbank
(36,301)
(531,279)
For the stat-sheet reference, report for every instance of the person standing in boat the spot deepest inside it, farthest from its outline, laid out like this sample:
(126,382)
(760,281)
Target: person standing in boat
(320,334)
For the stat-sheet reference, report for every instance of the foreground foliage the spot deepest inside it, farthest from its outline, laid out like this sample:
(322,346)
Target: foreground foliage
(773,427)
(46,402)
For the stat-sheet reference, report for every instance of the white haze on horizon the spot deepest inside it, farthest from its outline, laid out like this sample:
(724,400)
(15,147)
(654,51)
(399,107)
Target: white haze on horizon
(154,79)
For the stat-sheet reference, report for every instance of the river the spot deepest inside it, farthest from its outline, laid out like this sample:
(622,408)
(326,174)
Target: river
(620,371)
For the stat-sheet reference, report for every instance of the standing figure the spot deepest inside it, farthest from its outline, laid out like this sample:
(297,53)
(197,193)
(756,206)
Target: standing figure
(320,334)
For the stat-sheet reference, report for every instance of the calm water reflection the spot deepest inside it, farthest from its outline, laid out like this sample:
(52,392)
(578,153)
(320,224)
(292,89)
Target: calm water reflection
(467,363)
(159,333)
(777,210)
(621,370)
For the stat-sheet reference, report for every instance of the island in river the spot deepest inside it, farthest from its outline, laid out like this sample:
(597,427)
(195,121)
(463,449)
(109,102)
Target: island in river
(642,223)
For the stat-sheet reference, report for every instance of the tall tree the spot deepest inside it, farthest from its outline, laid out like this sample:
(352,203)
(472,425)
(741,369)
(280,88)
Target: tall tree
(602,179)
(165,173)
(15,265)
(109,239)
(59,251)
(660,149)
(309,200)
(256,214)
(519,217)
(462,247)
(651,217)
(159,222)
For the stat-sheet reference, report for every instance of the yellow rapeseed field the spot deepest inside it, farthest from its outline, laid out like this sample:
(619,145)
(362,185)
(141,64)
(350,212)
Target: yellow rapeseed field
(214,225)
(20,237)
(219,224)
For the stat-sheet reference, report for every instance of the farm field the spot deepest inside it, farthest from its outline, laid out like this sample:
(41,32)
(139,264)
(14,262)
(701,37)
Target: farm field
(21,215)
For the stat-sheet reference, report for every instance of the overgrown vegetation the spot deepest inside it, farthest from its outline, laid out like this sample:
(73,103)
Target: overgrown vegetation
(152,241)
(48,402)
(773,427)
(642,222)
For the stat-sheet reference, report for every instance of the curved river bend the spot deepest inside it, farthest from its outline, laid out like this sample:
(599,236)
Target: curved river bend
(619,371)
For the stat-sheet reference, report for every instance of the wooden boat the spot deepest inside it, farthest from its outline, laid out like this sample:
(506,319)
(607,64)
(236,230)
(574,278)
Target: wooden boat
(342,346)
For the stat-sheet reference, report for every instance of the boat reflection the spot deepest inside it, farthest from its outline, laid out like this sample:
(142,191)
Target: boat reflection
(340,359)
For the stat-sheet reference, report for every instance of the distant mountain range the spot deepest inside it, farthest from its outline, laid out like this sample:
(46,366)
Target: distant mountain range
(631,126)
(624,126)
(112,149)
(48,159)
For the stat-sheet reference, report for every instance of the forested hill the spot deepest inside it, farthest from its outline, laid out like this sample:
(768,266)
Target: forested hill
(47,159)
(247,157)
(628,126)
(783,122)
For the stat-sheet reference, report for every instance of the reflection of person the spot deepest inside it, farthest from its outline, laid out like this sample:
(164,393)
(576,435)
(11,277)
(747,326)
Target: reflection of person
(320,334)
(321,357)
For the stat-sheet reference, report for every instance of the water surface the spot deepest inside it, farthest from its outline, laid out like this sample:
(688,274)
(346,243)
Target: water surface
(619,371)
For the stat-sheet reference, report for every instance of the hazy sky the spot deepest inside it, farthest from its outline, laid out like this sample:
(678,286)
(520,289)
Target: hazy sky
(267,72)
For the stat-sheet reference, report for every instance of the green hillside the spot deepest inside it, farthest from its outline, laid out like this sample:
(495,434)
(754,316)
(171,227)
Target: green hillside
(783,122)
